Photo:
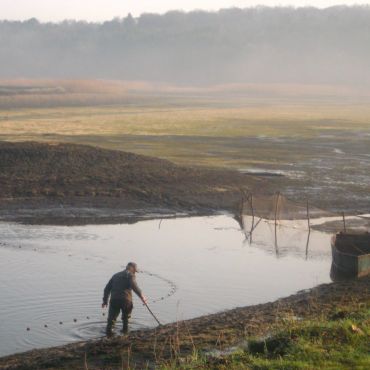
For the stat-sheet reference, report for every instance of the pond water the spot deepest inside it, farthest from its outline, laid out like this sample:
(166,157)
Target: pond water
(52,277)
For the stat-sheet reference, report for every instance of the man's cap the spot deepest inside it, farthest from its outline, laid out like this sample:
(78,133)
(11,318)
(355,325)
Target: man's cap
(133,265)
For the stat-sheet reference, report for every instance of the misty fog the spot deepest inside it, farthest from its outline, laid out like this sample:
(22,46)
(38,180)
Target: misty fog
(304,45)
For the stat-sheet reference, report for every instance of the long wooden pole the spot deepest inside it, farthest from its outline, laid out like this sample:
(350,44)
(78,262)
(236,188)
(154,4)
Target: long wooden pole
(307,243)
(241,212)
(257,223)
(276,206)
(251,201)
(155,317)
(252,225)
(308,217)
(309,228)
(276,211)
(344,222)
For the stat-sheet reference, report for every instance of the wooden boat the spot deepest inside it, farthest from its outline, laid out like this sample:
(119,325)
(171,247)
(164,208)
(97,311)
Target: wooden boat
(351,253)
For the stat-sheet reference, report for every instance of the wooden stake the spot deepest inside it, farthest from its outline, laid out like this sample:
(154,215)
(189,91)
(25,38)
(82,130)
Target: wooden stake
(276,211)
(344,222)
(308,217)
(276,207)
(250,199)
(251,202)
(307,243)
(241,212)
(255,226)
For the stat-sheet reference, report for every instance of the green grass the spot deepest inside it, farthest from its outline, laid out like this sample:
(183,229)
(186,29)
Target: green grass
(320,344)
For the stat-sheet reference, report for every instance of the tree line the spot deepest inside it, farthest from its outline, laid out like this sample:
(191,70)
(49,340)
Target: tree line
(262,44)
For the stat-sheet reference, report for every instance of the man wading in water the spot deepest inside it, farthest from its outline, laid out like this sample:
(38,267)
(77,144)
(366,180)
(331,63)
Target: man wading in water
(120,288)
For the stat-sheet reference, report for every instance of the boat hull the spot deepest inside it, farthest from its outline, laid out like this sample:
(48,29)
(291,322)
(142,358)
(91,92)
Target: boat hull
(351,254)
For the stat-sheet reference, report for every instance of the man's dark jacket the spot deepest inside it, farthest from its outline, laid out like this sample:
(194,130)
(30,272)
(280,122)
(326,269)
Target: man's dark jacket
(120,287)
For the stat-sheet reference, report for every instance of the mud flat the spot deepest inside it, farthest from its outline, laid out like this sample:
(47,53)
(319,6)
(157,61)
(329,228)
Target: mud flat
(77,184)
(72,184)
(147,347)
(73,211)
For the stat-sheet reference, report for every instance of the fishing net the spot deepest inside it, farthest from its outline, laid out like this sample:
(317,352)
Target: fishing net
(278,210)
(278,207)
(280,225)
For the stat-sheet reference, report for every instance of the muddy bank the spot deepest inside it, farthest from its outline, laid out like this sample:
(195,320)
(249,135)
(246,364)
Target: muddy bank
(77,184)
(146,347)
(76,211)
(68,184)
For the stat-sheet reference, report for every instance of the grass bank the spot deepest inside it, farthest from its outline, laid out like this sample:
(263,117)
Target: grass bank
(326,327)
(340,341)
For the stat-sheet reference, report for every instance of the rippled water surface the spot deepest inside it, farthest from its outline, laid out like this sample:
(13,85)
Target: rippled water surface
(52,277)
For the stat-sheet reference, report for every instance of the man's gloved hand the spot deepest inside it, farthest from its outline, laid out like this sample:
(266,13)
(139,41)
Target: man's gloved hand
(103,305)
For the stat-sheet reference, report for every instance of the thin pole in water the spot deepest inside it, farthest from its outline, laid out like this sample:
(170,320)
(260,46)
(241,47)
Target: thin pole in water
(308,217)
(344,222)
(307,243)
(276,212)
(309,229)
(276,207)
(251,202)
(252,227)
(241,209)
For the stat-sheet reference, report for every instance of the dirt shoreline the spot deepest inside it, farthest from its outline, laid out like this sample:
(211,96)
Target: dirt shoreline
(77,211)
(69,184)
(220,330)
(77,184)
(81,211)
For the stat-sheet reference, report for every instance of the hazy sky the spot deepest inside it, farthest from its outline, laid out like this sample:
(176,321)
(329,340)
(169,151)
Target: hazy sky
(98,10)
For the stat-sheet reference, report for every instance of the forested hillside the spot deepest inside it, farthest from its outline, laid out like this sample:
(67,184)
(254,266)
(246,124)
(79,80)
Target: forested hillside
(236,45)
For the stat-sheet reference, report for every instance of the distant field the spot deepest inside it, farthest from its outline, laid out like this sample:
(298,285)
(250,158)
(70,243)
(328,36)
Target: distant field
(147,129)
(81,110)
(254,119)
(319,142)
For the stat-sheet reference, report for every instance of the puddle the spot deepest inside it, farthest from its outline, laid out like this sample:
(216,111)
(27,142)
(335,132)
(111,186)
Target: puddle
(292,174)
